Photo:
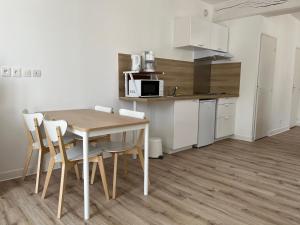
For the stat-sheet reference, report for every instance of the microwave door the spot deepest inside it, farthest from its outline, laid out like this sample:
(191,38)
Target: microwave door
(149,88)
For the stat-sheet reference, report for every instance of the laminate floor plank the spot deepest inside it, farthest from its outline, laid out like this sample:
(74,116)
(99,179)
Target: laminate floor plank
(228,183)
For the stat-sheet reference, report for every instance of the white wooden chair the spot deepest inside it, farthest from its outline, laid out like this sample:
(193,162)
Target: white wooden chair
(123,148)
(104,109)
(33,123)
(95,140)
(55,130)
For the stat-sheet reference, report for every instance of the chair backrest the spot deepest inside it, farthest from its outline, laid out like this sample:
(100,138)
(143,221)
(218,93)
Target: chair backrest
(104,109)
(29,119)
(130,113)
(137,115)
(32,122)
(52,126)
(55,130)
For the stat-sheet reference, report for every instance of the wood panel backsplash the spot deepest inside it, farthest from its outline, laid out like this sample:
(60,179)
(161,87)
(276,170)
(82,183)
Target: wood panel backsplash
(217,78)
(191,78)
(225,78)
(177,73)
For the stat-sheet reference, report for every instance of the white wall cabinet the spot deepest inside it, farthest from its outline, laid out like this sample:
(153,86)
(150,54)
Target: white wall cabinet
(192,31)
(197,32)
(176,123)
(225,117)
(219,38)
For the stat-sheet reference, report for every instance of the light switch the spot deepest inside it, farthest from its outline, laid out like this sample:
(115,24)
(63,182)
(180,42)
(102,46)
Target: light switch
(36,73)
(16,72)
(5,71)
(27,73)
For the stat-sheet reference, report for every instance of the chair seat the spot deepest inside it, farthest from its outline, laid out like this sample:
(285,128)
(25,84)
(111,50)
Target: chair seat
(67,140)
(115,146)
(76,153)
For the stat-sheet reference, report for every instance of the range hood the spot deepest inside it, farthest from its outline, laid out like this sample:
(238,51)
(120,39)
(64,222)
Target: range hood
(212,55)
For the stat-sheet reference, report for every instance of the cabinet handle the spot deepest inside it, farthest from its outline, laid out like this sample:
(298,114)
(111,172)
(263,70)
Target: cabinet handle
(200,45)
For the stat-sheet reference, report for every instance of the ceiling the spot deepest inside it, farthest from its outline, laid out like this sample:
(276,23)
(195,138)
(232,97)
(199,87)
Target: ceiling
(214,1)
(297,15)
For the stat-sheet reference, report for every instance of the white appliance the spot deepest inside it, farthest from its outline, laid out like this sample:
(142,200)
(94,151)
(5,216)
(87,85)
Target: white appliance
(136,63)
(148,61)
(206,123)
(145,88)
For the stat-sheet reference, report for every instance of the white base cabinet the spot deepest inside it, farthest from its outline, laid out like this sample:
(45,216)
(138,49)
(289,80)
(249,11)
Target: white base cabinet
(225,117)
(176,122)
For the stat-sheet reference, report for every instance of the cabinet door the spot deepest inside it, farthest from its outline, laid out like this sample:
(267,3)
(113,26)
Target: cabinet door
(200,32)
(224,126)
(219,38)
(225,110)
(182,32)
(185,123)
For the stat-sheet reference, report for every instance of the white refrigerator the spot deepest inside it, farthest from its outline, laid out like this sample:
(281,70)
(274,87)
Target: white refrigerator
(206,123)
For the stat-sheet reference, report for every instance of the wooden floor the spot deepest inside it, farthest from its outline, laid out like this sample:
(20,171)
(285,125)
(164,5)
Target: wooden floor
(230,182)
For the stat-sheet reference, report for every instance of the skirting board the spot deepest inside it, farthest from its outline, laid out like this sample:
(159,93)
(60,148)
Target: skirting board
(18,173)
(279,131)
(242,138)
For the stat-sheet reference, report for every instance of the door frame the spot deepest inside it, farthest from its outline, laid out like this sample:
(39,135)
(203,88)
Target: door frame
(292,126)
(257,81)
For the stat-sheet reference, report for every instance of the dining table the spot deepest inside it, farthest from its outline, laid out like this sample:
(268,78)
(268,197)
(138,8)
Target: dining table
(88,123)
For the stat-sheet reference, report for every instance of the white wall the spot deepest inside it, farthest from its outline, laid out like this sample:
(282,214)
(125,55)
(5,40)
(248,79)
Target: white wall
(75,43)
(285,29)
(244,44)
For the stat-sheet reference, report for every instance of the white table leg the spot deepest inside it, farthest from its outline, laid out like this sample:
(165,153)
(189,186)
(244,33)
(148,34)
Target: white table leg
(146,159)
(86,177)
(134,133)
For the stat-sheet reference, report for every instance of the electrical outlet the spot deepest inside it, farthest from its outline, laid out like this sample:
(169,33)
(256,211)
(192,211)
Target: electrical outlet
(26,73)
(16,72)
(5,71)
(36,73)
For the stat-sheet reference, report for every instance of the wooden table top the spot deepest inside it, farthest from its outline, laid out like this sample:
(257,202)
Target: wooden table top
(90,120)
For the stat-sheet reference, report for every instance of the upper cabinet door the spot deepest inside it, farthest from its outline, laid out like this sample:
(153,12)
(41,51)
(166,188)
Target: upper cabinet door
(192,31)
(219,38)
(200,33)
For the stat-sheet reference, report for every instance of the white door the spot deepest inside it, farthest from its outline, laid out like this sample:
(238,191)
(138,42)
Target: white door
(219,38)
(200,32)
(296,91)
(206,127)
(264,86)
(185,123)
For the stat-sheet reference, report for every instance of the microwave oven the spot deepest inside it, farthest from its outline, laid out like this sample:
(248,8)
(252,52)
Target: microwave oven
(145,88)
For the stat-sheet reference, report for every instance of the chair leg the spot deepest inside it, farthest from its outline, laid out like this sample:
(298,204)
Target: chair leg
(62,189)
(38,172)
(103,176)
(93,172)
(27,161)
(115,156)
(125,164)
(48,176)
(141,157)
(77,171)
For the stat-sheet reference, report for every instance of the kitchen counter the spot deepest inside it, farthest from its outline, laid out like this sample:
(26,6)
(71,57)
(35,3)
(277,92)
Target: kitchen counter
(179,97)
